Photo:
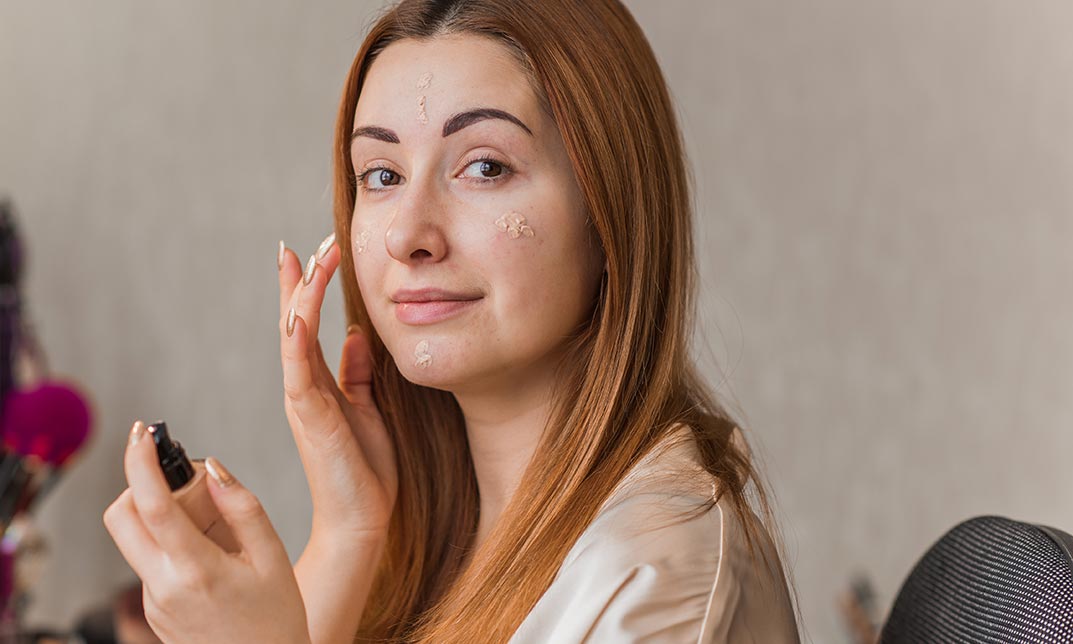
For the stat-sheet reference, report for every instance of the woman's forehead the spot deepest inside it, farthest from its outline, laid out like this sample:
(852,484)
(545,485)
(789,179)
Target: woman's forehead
(424,81)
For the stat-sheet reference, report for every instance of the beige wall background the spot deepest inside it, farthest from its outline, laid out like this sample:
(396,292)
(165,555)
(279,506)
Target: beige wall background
(885,204)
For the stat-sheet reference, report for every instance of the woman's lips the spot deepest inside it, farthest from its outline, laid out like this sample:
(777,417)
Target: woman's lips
(431,311)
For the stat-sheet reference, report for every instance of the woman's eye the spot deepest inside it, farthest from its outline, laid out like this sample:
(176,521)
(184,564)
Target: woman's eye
(377,179)
(385,176)
(484,169)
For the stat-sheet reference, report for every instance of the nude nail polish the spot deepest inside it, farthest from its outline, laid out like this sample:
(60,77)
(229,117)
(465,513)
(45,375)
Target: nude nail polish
(325,246)
(136,433)
(189,487)
(218,472)
(311,266)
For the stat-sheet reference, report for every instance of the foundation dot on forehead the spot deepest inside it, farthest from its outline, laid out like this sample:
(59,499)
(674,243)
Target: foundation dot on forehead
(424,81)
(513,224)
(422,358)
(422,116)
(361,242)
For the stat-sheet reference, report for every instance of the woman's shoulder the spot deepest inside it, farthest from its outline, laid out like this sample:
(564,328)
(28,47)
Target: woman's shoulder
(644,511)
(655,563)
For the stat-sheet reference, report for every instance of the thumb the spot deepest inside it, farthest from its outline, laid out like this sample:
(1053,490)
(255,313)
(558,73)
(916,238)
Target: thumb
(244,514)
(356,368)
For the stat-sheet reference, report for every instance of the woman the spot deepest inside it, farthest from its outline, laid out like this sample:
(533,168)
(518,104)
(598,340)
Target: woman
(518,447)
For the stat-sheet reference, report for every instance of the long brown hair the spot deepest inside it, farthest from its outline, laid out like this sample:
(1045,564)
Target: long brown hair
(629,380)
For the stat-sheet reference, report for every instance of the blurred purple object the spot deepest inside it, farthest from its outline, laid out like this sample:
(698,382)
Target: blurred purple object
(51,421)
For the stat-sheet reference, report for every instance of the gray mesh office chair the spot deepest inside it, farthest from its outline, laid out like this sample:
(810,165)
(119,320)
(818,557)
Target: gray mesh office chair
(989,579)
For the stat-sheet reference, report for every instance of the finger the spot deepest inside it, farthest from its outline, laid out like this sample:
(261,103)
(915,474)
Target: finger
(299,384)
(302,269)
(246,517)
(163,517)
(310,297)
(134,542)
(324,375)
(356,369)
(355,384)
(149,608)
(318,368)
(307,300)
(290,275)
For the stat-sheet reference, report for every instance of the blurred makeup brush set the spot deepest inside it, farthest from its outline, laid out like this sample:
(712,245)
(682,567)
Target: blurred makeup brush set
(43,422)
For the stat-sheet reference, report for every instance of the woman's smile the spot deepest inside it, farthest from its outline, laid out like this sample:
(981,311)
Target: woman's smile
(430,305)
(431,311)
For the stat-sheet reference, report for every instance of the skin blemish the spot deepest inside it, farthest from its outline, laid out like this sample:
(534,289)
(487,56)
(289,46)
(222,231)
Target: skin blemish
(361,242)
(422,358)
(422,117)
(424,81)
(513,224)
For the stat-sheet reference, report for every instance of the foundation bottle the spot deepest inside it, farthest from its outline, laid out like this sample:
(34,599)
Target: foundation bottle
(189,486)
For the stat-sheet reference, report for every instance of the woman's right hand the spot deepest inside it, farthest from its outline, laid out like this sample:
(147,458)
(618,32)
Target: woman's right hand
(348,456)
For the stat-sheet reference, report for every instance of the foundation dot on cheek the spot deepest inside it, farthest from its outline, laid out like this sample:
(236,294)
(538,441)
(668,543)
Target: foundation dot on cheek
(422,358)
(361,242)
(514,225)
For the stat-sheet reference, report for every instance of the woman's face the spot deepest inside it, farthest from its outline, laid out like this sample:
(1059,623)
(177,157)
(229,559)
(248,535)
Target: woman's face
(469,236)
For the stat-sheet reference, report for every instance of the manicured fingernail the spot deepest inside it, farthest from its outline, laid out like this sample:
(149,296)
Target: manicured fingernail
(325,246)
(353,328)
(136,432)
(279,256)
(218,472)
(290,322)
(311,267)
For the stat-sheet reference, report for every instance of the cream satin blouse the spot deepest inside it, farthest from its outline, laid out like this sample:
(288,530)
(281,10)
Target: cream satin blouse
(637,575)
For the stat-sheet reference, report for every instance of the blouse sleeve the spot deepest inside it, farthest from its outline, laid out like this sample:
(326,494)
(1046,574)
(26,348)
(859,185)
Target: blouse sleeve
(617,586)
(677,584)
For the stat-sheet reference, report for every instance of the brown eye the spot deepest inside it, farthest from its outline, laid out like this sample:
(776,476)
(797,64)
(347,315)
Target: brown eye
(378,174)
(387,177)
(486,170)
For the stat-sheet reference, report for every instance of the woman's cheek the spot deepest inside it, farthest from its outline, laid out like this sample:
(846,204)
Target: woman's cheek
(518,267)
(361,236)
(513,235)
(361,241)
(541,274)
(364,251)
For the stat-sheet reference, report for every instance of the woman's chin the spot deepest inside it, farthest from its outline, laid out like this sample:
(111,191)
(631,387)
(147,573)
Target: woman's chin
(431,370)
(434,360)
(446,374)
(432,377)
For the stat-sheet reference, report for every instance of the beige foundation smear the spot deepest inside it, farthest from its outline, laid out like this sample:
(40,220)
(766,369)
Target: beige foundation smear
(513,224)
(424,81)
(422,358)
(422,116)
(361,242)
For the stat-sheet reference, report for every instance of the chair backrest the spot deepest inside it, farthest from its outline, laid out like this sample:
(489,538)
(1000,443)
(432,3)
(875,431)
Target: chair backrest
(989,579)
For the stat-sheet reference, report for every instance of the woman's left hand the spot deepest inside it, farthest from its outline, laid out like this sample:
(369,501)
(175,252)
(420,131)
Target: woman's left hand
(192,589)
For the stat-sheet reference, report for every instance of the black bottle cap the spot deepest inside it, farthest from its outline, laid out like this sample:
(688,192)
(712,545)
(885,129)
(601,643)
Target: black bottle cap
(177,468)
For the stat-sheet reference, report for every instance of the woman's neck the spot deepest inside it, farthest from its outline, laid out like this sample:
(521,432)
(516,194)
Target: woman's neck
(504,426)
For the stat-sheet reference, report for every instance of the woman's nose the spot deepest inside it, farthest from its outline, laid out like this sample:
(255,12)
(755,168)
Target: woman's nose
(414,234)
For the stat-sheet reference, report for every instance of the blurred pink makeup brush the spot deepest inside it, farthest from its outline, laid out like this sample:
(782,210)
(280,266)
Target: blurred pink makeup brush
(41,429)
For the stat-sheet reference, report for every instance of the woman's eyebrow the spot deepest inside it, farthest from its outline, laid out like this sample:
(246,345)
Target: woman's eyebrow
(375,132)
(469,117)
(453,124)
